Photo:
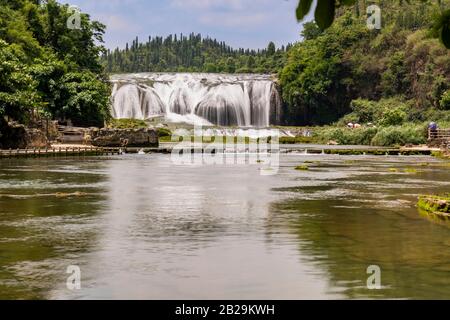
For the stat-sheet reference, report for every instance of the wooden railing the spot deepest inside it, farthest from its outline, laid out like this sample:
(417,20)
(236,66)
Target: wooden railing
(76,151)
(439,134)
(66,151)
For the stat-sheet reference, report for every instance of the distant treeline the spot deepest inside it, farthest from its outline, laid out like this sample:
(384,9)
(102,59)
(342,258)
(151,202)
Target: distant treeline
(193,53)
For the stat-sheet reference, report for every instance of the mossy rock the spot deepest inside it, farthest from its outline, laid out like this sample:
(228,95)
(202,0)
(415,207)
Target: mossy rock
(164,132)
(127,124)
(345,152)
(296,140)
(441,155)
(377,152)
(302,168)
(436,217)
(438,205)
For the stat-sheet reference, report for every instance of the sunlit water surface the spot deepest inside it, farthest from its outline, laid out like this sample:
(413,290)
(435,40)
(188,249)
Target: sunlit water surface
(140,227)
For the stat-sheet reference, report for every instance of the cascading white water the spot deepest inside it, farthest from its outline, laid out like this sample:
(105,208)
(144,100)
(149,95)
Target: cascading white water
(127,95)
(217,99)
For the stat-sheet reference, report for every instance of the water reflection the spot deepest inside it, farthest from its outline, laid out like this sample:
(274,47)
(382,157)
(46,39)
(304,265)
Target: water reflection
(42,227)
(367,219)
(142,228)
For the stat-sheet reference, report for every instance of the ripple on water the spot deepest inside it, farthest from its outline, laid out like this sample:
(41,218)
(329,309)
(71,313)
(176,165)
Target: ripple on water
(221,232)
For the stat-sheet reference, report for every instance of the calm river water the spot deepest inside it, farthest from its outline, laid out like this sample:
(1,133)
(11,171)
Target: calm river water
(140,227)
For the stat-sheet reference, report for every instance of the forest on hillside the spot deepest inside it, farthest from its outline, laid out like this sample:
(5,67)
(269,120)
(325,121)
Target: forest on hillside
(193,53)
(398,74)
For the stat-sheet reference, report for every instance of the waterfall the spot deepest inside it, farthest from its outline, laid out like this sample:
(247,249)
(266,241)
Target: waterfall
(127,103)
(214,99)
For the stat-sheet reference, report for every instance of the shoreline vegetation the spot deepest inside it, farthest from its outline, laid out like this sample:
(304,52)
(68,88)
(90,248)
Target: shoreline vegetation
(411,134)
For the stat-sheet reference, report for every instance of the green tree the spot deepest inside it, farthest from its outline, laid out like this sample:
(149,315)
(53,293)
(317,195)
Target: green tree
(83,99)
(18,93)
(45,67)
(231,65)
(310,31)
(326,10)
(271,49)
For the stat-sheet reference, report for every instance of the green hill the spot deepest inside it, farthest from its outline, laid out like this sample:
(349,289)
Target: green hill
(192,53)
(398,74)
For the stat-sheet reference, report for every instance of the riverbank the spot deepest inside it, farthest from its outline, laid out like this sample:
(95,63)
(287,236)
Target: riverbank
(395,140)
(387,136)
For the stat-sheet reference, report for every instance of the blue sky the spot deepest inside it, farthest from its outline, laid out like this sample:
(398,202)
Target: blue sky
(241,23)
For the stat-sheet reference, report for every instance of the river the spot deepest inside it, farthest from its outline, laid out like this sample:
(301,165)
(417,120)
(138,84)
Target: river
(139,227)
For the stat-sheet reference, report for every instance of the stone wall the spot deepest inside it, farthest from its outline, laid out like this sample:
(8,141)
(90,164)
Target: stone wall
(123,137)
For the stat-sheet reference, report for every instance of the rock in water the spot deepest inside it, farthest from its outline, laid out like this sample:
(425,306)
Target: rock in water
(124,138)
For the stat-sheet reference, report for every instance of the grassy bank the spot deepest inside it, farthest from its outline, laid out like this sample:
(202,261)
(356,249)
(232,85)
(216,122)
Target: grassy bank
(390,136)
(380,136)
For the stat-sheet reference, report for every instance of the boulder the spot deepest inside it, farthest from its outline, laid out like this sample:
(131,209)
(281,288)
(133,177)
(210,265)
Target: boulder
(439,205)
(35,138)
(107,137)
(17,136)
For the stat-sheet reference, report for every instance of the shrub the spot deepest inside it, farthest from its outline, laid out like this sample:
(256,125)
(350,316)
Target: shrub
(127,124)
(382,136)
(442,117)
(385,112)
(392,117)
(164,132)
(346,136)
(445,100)
(400,135)
(364,111)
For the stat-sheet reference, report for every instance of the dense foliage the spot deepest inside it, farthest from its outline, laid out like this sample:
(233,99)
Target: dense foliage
(193,54)
(385,136)
(48,69)
(388,77)
(326,10)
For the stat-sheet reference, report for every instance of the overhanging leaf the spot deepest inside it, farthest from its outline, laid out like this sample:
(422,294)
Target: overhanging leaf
(304,6)
(325,12)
